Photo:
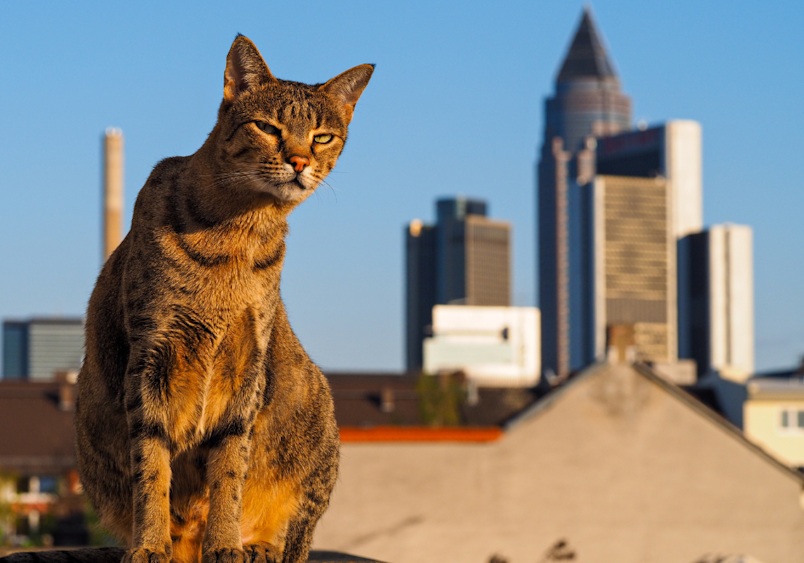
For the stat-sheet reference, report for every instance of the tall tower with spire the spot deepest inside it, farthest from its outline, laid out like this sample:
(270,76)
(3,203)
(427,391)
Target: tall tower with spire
(588,102)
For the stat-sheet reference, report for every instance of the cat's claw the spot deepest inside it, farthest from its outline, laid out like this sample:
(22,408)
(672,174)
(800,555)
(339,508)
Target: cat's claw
(143,555)
(225,555)
(262,553)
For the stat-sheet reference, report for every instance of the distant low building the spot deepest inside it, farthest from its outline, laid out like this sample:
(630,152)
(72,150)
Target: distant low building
(492,346)
(773,416)
(37,348)
(38,466)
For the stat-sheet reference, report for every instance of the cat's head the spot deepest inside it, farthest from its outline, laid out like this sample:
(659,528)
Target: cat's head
(281,137)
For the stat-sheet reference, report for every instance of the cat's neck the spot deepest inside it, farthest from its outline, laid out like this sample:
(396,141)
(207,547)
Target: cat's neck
(222,198)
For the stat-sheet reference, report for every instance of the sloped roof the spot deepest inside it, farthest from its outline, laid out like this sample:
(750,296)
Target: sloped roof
(35,435)
(673,390)
(587,57)
(358,401)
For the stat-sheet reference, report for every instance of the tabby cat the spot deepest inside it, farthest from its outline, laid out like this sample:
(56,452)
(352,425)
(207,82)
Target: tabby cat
(204,431)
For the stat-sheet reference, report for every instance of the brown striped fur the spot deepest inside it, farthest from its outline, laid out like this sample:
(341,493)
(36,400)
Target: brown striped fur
(204,431)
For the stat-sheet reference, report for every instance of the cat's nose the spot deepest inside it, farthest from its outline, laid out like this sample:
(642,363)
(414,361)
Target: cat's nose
(299,162)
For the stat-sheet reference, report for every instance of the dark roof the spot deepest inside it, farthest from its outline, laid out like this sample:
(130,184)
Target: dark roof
(35,435)
(587,56)
(359,397)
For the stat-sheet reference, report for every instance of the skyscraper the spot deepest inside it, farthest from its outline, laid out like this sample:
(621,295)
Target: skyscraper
(717,318)
(634,267)
(464,259)
(587,102)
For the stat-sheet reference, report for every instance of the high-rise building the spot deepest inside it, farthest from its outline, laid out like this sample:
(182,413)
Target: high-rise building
(671,150)
(587,102)
(464,259)
(619,210)
(633,265)
(716,316)
(420,287)
(37,348)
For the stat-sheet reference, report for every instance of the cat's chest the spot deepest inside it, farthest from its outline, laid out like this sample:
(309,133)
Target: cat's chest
(209,383)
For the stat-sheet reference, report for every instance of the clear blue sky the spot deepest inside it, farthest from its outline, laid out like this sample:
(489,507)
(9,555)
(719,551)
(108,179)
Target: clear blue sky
(455,107)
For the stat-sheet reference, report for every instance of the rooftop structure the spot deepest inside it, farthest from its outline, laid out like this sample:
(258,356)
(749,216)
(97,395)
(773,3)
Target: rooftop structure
(492,346)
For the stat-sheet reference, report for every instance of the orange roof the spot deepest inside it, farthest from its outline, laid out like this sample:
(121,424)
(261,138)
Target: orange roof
(419,434)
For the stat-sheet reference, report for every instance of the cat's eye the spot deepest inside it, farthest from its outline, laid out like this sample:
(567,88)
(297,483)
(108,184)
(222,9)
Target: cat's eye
(322,139)
(267,128)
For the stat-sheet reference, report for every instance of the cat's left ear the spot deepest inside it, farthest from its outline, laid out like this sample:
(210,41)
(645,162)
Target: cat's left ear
(347,87)
(245,69)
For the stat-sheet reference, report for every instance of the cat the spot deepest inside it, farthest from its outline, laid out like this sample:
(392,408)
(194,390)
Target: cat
(203,429)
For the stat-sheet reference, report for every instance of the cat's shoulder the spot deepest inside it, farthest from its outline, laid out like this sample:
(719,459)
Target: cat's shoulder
(167,171)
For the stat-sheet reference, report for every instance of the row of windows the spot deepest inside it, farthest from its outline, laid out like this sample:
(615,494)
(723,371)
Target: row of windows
(792,419)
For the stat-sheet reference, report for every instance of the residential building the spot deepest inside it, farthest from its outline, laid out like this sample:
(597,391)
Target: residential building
(617,464)
(38,467)
(37,348)
(491,346)
(773,415)
(465,258)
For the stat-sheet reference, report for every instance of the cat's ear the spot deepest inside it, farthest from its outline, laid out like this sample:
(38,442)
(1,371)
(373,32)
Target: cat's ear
(245,69)
(347,87)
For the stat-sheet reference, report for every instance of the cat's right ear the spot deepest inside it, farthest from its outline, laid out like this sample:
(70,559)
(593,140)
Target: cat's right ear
(245,69)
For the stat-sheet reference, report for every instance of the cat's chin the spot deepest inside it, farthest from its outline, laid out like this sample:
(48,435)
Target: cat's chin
(289,192)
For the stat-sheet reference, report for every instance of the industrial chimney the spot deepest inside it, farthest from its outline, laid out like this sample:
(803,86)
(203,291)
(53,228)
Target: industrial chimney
(112,190)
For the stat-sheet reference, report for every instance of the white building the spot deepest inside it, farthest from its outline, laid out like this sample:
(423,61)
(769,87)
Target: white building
(493,346)
(717,290)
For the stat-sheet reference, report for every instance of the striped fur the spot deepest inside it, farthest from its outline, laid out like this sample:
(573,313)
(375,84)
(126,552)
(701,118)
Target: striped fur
(204,431)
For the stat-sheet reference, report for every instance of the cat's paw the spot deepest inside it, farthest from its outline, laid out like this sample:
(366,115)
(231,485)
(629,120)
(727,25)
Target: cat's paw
(144,555)
(262,553)
(224,555)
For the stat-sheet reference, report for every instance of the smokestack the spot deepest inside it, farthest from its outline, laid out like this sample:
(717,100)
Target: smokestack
(112,190)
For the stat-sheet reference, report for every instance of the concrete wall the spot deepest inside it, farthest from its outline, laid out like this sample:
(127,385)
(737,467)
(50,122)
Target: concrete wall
(617,465)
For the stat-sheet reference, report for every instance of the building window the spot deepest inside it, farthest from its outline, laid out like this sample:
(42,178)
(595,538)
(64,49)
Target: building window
(792,419)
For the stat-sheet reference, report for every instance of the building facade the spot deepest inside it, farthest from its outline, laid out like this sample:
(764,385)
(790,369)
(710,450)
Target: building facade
(773,417)
(36,349)
(492,346)
(716,307)
(464,259)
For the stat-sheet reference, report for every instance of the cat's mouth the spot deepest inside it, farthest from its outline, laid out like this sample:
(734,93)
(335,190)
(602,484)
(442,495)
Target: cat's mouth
(291,190)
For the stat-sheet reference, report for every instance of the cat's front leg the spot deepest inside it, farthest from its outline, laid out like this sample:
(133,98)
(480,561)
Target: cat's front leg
(226,474)
(150,465)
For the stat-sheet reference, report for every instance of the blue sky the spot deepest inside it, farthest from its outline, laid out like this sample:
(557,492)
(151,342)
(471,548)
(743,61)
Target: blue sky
(454,107)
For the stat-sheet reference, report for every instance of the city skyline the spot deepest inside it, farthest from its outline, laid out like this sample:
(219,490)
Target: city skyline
(86,68)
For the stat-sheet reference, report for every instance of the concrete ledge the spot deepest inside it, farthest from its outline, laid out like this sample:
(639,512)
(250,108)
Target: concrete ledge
(115,554)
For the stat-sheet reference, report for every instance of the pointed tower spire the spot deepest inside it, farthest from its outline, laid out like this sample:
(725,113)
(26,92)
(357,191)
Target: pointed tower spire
(587,57)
